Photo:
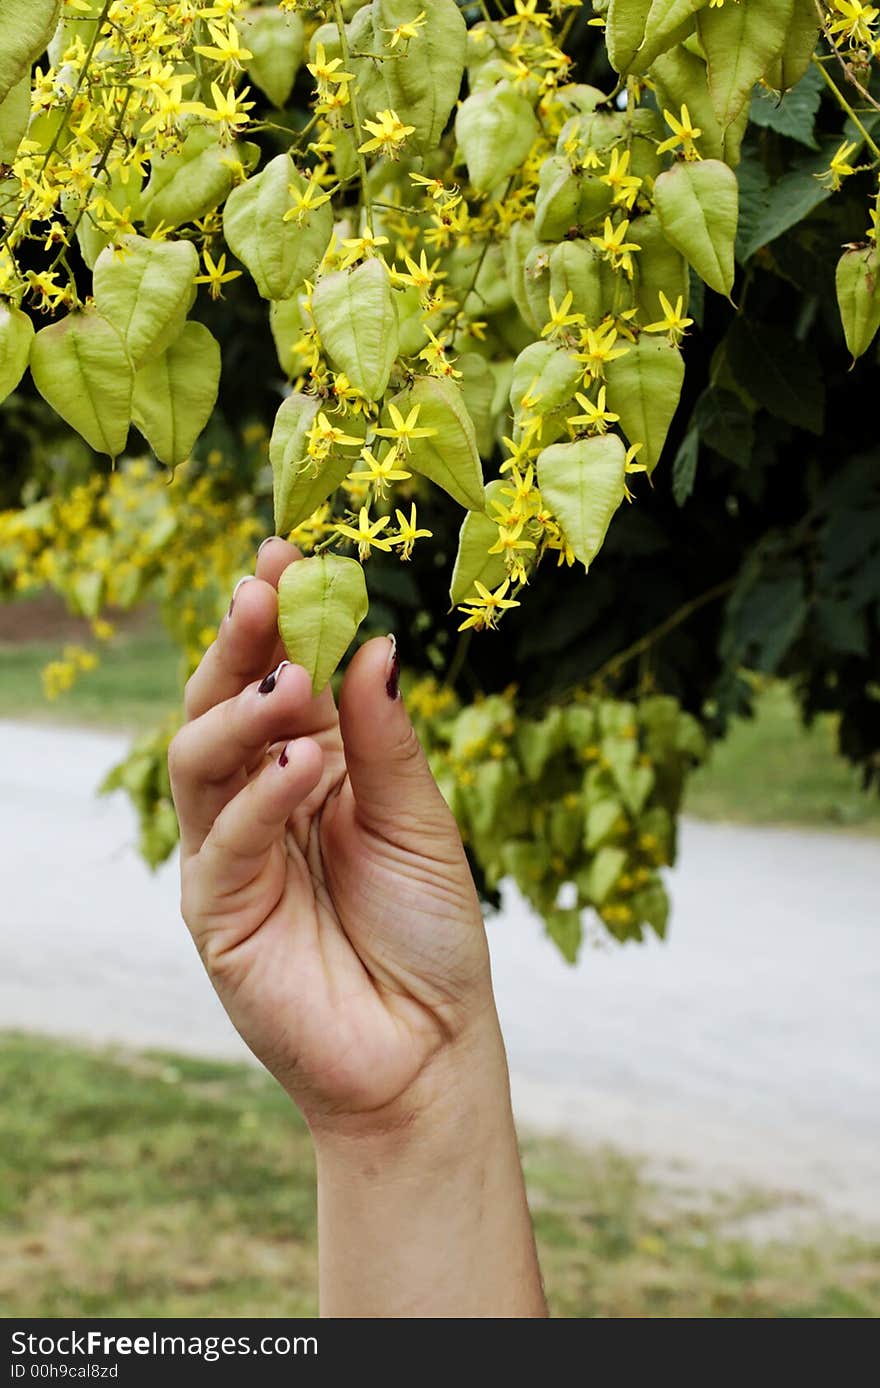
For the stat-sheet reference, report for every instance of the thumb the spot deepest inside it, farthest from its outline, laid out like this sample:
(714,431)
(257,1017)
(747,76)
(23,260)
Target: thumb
(394,790)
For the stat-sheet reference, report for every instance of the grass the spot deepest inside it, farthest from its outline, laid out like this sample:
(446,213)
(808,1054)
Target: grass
(770,770)
(157,1185)
(134,686)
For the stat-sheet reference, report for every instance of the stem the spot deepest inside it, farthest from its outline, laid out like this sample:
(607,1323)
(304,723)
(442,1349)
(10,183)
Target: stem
(458,659)
(836,53)
(99,169)
(644,643)
(355,114)
(844,104)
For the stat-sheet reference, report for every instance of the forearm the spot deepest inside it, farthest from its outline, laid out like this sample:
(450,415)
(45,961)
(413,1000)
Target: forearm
(430,1217)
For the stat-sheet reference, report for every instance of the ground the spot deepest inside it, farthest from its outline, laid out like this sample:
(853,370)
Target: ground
(157,1185)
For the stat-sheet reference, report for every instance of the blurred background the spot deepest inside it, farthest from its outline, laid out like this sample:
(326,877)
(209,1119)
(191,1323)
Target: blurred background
(699,1118)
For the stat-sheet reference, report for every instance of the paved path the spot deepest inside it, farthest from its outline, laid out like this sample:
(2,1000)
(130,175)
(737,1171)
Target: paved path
(747,1048)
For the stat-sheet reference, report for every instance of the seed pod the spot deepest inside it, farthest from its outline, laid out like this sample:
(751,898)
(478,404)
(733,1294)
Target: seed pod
(644,388)
(681,79)
(81,368)
(660,268)
(545,374)
(557,200)
(584,483)
(519,243)
(175,393)
(473,561)
(423,87)
(301,485)
(279,254)
(858,296)
(625,31)
(321,603)
(16,336)
(668,22)
(26,26)
(277,42)
(191,182)
(478,389)
(495,130)
(800,45)
(356,317)
(576,268)
(145,289)
(15,111)
(740,42)
(449,456)
(698,205)
(536,282)
(288,322)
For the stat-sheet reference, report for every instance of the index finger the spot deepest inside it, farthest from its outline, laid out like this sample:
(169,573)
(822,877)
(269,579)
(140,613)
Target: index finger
(247,643)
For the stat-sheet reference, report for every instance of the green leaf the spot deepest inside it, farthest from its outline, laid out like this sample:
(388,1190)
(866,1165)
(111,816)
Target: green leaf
(584,483)
(768,209)
(684,468)
(668,22)
(15,112)
(449,457)
(794,114)
(625,31)
(477,535)
(651,905)
(697,204)
(287,323)
(603,819)
(145,289)
(725,424)
(321,603)
(858,297)
(495,130)
(82,370)
(644,387)
(356,317)
(740,41)
(175,394)
(16,337)
(423,86)
(189,183)
(779,372)
(277,43)
(279,254)
(300,484)
(26,26)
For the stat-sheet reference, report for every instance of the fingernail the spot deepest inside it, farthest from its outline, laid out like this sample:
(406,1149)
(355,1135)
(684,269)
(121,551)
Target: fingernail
(246,579)
(282,760)
(270,681)
(392,678)
(268,540)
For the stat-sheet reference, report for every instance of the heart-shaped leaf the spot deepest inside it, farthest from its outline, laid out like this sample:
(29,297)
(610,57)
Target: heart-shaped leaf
(321,603)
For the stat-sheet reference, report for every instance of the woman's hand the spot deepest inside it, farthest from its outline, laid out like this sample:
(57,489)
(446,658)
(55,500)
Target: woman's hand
(323,875)
(326,887)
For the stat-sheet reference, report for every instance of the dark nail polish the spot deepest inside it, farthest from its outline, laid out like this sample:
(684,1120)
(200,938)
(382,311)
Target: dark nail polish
(282,760)
(271,680)
(392,681)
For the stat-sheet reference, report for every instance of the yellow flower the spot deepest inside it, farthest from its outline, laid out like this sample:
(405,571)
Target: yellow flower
(485,609)
(595,417)
(560,318)
(389,134)
(684,134)
(408,532)
(839,168)
(673,321)
(216,275)
(404,430)
(614,247)
(366,533)
(404,32)
(379,472)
